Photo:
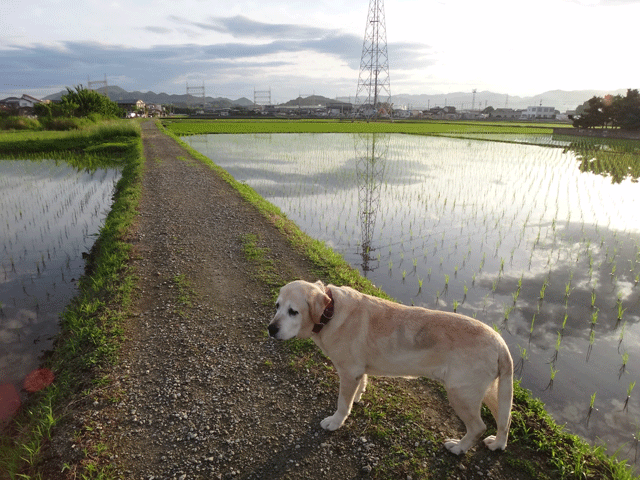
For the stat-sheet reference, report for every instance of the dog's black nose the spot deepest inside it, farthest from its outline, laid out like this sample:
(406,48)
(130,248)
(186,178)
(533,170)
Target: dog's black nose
(273,330)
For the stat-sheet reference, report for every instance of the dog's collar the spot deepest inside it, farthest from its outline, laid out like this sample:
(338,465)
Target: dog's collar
(327,314)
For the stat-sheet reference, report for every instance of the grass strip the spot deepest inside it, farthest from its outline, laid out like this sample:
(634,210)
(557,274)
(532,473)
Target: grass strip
(538,446)
(98,142)
(194,127)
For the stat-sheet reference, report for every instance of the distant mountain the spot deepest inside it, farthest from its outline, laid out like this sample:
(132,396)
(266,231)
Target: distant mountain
(118,94)
(310,101)
(559,99)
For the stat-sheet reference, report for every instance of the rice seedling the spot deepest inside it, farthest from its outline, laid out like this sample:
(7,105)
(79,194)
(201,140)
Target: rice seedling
(592,339)
(623,367)
(620,309)
(545,284)
(567,290)
(621,335)
(592,408)
(554,372)
(629,390)
(524,356)
(533,321)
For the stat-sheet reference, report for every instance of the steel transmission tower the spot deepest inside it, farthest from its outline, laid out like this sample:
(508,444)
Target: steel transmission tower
(98,84)
(373,96)
(197,91)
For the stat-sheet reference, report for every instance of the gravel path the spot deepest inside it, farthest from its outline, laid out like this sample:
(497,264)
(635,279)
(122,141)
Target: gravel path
(200,391)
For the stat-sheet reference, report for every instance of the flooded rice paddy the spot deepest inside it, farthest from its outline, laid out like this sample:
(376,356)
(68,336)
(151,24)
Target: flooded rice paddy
(521,236)
(50,214)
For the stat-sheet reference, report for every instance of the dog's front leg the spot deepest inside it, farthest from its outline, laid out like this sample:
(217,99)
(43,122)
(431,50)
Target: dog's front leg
(348,386)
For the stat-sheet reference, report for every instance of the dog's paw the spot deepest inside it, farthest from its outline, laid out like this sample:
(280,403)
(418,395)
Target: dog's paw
(491,443)
(331,423)
(453,446)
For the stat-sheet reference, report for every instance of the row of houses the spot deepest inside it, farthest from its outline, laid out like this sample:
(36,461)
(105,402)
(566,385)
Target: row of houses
(137,108)
(450,113)
(25,106)
(133,108)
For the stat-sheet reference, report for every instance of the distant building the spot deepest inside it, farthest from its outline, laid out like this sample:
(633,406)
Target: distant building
(20,105)
(154,110)
(506,113)
(442,113)
(336,109)
(131,106)
(533,113)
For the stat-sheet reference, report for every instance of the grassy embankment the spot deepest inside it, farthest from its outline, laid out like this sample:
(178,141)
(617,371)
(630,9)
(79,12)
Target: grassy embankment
(91,324)
(538,446)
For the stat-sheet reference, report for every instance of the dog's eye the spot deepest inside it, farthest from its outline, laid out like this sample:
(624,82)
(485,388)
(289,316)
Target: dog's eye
(292,312)
(277,306)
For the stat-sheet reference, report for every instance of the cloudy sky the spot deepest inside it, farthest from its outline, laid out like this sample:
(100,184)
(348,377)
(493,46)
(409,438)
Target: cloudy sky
(294,47)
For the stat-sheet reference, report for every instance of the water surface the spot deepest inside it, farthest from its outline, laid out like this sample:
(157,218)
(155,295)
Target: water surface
(521,236)
(50,214)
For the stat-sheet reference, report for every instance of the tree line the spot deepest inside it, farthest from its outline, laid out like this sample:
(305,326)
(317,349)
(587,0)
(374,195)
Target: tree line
(610,112)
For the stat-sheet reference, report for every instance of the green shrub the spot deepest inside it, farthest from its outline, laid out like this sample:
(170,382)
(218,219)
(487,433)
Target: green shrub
(62,123)
(19,123)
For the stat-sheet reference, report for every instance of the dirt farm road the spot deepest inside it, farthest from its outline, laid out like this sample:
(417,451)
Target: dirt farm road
(200,391)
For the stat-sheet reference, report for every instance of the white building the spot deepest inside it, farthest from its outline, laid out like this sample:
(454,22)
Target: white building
(539,112)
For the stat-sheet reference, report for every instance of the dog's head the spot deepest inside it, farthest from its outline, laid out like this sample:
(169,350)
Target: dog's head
(299,307)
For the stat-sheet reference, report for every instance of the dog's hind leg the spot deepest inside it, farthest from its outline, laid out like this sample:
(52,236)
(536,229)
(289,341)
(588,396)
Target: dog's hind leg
(501,392)
(499,398)
(467,406)
(348,387)
(362,386)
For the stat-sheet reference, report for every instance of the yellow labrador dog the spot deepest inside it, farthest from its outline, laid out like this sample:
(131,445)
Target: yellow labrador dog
(365,335)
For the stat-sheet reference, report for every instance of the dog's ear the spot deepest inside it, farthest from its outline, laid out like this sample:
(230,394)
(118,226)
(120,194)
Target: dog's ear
(318,301)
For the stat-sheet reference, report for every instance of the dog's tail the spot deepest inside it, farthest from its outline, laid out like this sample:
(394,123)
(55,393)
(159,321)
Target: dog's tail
(505,396)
